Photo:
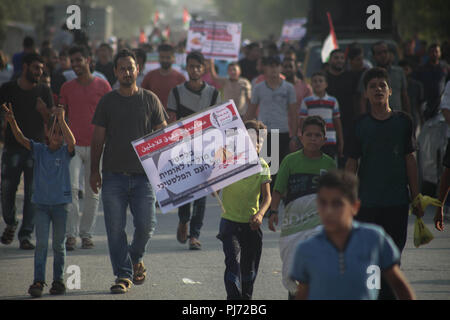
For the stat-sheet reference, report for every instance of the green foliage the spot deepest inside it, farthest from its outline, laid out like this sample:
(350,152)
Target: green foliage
(261,18)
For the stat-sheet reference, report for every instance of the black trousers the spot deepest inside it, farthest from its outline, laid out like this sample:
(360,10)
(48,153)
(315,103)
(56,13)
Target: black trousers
(242,247)
(394,221)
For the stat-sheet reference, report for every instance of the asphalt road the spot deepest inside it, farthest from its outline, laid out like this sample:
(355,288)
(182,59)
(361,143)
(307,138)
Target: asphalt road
(427,268)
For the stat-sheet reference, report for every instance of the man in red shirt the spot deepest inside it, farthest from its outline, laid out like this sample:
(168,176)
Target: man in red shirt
(80,96)
(162,80)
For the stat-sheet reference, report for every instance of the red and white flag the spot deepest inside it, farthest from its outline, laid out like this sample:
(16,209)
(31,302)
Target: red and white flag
(186,18)
(330,42)
(156,18)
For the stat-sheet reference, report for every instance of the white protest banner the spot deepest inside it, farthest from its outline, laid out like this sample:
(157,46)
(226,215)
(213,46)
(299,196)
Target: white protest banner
(293,29)
(216,40)
(197,155)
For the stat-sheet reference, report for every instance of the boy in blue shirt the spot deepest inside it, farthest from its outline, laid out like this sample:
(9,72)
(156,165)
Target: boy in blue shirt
(347,259)
(51,195)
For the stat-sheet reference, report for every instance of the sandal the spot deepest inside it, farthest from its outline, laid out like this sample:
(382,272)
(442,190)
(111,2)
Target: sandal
(26,245)
(122,285)
(194,244)
(8,234)
(139,273)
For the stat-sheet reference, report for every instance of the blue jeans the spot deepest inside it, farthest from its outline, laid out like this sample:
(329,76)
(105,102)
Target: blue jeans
(242,247)
(198,213)
(14,162)
(44,215)
(118,191)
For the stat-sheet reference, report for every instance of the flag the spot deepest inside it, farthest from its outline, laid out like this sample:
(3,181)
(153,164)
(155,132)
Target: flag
(186,18)
(156,18)
(330,42)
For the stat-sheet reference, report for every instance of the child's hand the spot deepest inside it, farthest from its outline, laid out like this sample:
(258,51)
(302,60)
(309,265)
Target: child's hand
(59,113)
(256,221)
(9,115)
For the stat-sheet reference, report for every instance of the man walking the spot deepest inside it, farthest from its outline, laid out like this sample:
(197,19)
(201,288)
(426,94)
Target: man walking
(186,99)
(122,116)
(31,103)
(80,97)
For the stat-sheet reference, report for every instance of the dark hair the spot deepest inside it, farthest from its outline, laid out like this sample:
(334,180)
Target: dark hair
(336,51)
(344,181)
(28,42)
(256,125)
(271,60)
(320,74)
(354,52)
(378,43)
(140,53)
(29,58)
(404,63)
(196,55)
(314,121)
(81,49)
(233,63)
(107,46)
(253,45)
(166,48)
(64,53)
(433,46)
(124,53)
(376,72)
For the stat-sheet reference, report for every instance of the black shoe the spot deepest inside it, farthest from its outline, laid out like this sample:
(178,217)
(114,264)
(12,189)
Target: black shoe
(36,289)
(57,288)
(26,245)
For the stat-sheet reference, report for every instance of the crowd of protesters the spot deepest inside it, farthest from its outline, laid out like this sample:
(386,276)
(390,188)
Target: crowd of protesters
(348,116)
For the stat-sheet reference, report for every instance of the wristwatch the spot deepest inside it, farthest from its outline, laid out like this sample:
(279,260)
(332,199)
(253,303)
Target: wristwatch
(271,212)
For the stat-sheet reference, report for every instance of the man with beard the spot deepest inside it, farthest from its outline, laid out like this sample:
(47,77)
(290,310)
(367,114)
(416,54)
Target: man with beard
(122,116)
(162,80)
(80,98)
(32,103)
(342,85)
(399,100)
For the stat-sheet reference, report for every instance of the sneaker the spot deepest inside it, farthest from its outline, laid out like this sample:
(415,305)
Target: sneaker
(36,289)
(26,245)
(8,234)
(57,288)
(86,243)
(182,232)
(71,243)
(139,273)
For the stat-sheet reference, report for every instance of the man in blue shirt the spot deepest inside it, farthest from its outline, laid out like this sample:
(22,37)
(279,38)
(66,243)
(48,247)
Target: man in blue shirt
(347,259)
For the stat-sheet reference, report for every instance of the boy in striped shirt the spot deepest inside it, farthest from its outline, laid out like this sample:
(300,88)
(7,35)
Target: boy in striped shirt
(327,107)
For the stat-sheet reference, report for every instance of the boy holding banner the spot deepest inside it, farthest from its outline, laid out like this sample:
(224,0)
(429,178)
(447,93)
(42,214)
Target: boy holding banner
(240,231)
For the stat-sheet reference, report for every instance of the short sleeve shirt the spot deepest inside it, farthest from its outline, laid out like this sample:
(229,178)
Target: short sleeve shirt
(274,104)
(125,120)
(51,176)
(241,199)
(327,108)
(344,275)
(381,146)
(81,102)
(297,182)
(23,103)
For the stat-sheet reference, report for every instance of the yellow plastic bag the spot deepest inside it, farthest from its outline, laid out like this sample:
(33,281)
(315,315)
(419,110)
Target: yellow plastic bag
(421,233)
